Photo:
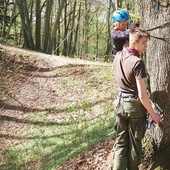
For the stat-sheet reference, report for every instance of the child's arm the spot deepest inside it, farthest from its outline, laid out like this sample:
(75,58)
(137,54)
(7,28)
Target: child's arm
(117,34)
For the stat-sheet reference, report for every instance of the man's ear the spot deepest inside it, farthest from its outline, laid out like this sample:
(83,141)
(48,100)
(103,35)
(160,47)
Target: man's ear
(134,43)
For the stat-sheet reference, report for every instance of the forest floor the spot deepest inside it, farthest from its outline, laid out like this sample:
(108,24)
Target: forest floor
(38,76)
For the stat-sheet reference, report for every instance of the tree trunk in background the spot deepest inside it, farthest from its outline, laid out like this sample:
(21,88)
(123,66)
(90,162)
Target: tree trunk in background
(97,37)
(72,23)
(12,19)
(47,25)
(38,26)
(26,24)
(56,26)
(110,12)
(4,16)
(86,27)
(77,30)
(118,4)
(65,30)
(158,60)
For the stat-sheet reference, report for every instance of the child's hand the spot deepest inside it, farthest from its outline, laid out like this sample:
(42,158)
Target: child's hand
(134,25)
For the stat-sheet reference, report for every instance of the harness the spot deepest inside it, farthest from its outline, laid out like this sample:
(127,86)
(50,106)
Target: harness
(119,119)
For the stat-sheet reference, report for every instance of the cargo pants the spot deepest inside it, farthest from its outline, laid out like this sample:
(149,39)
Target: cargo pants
(130,128)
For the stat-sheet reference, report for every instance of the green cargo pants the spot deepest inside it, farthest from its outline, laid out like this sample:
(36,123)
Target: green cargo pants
(130,129)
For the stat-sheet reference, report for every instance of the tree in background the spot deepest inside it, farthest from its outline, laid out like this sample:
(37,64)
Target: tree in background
(4,16)
(75,28)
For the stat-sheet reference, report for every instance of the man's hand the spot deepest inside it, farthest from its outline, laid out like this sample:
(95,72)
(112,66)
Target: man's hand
(156,118)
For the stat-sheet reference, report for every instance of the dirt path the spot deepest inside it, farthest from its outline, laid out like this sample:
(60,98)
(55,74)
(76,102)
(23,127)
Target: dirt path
(52,60)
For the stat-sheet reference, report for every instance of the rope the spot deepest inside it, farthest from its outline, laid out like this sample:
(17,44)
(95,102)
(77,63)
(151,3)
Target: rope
(161,38)
(160,26)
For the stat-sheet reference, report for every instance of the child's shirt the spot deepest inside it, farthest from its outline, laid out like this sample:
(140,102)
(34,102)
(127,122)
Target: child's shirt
(118,39)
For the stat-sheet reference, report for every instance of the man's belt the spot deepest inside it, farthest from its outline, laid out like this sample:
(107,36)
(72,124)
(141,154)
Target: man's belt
(126,95)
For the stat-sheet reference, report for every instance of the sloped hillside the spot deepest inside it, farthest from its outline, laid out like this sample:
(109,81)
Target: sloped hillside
(54,109)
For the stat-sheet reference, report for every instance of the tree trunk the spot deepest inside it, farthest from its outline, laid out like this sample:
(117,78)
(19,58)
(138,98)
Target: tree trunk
(56,26)
(109,46)
(156,15)
(38,26)
(86,26)
(64,50)
(47,25)
(70,50)
(12,20)
(77,30)
(26,24)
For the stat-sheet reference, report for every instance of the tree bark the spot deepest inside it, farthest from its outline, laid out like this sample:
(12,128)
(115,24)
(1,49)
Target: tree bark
(70,49)
(38,26)
(158,60)
(47,25)
(77,30)
(26,24)
(109,46)
(12,19)
(56,26)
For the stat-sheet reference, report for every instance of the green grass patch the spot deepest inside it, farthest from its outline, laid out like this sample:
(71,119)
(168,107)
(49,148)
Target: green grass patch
(84,105)
(48,146)
(49,138)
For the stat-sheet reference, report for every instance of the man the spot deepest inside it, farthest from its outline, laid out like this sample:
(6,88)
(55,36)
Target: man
(131,102)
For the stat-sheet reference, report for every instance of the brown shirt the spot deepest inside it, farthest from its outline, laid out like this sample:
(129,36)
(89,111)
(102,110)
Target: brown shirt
(128,67)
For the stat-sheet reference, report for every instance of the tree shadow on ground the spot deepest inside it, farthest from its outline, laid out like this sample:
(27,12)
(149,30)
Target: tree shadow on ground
(62,152)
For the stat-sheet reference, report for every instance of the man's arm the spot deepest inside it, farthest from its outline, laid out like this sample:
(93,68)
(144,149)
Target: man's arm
(145,99)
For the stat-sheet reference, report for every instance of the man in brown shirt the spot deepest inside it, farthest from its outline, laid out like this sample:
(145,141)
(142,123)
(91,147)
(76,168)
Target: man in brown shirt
(131,102)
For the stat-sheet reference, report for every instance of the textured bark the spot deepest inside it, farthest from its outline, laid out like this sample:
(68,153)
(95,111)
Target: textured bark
(47,24)
(157,16)
(72,25)
(26,24)
(76,31)
(38,26)
(56,26)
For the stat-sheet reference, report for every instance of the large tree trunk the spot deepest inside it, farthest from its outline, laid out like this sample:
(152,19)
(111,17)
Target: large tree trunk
(156,16)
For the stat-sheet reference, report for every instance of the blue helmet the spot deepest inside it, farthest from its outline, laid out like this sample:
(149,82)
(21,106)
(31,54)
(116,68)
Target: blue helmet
(120,15)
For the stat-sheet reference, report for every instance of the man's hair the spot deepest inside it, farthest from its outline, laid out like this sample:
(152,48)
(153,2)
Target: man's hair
(137,33)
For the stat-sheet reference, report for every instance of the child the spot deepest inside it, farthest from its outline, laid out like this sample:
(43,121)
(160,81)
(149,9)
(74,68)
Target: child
(119,34)
(131,102)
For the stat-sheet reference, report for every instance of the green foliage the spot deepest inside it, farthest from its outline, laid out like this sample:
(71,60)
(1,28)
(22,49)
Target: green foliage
(134,17)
